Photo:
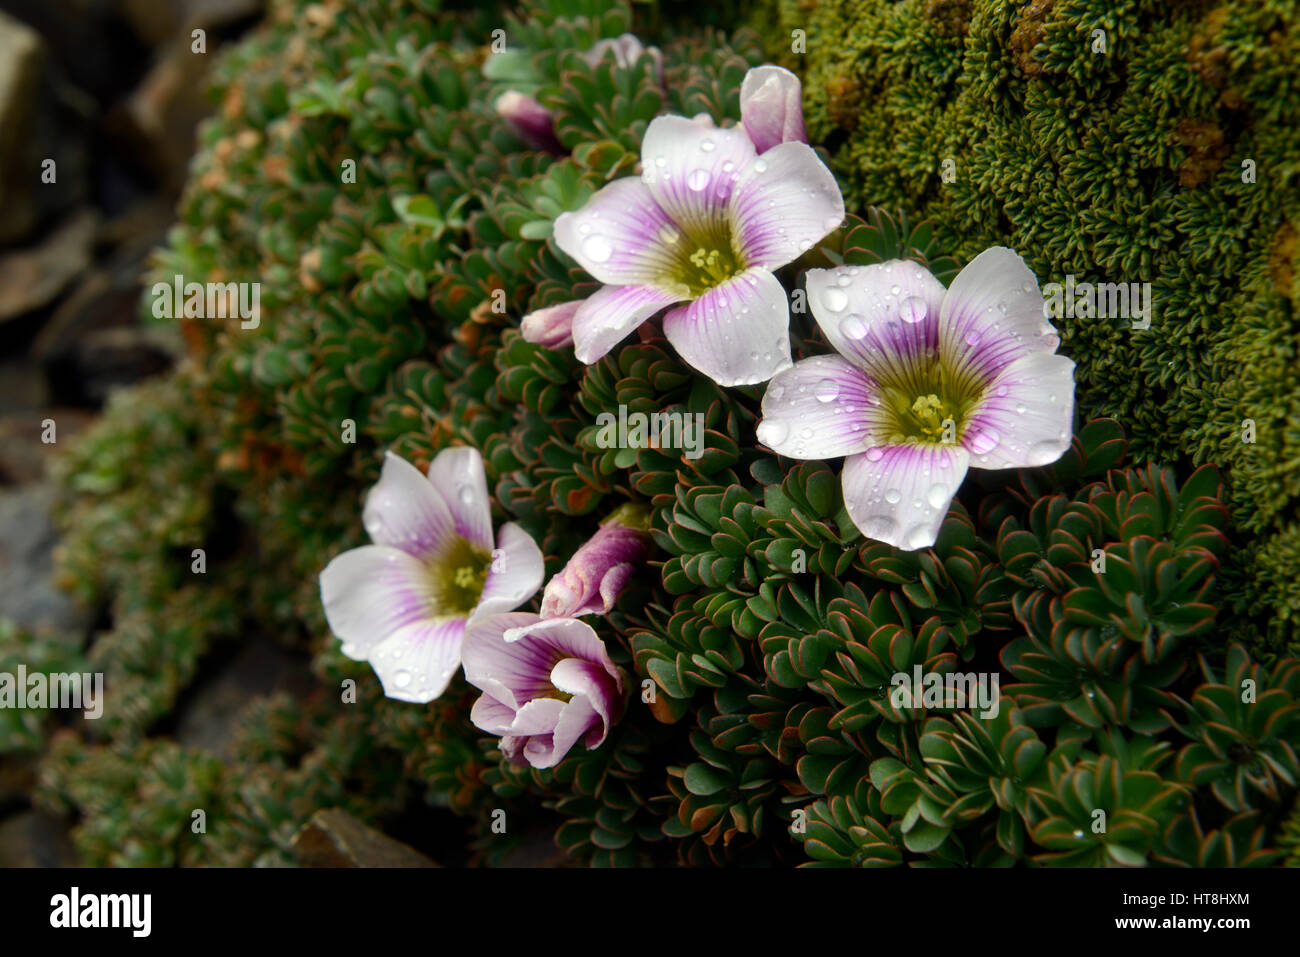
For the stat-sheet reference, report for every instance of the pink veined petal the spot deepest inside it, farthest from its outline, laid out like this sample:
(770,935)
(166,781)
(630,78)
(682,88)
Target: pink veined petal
(368,593)
(691,168)
(511,672)
(515,574)
(785,202)
(993,315)
(537,750)
(417,662)
(577,720)
(771,107)
(579,677)
(883,318)
(404,510)
(538,716)
(611,313)
(490,715)
(820,408)
(551,326)
(737,333)
(457,474)
(1026,417)
(564,638)
(901,497)
(620,236)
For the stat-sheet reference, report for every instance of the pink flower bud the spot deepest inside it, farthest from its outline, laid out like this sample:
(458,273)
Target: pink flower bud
(589,584)
(529,120)
(551,327)
(771,107)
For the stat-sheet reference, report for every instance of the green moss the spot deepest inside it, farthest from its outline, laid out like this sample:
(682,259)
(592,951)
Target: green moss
(1118,166)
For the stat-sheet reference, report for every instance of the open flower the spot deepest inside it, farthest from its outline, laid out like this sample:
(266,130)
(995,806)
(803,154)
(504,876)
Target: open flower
(547,684)
(403,603)
(706,224)
(771,107)
(927,383)
(591,581)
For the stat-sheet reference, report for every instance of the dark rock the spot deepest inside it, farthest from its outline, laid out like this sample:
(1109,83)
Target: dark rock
(28,596)
(334,838)
(33,278)
(35,839)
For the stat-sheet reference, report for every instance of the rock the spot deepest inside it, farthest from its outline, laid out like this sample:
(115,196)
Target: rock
(209,716)
(27,593)
(94,342)
(334,838)
(35,839)
(23,456)
(22,58)
(33,278)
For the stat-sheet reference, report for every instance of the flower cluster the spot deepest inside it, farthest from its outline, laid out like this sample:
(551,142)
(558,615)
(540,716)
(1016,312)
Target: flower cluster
(924,383)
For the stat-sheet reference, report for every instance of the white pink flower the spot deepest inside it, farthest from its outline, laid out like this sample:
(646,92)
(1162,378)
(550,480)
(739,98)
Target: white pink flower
(591,581)
(771,107)
(435,566)
(927,382)
(702,229)
(547,684)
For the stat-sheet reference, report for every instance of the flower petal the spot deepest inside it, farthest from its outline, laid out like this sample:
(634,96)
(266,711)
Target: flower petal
(566,638)
(771,107)
(368,593)
(737,333)
(578,719)
(551,326)
(580,677)
(691,168)
(457,473)
(820,408)
(610,313)
(515,574)
(620,236)
(491,715)
(785,202)
(511,672)
(883,318)
(1026,417)
(404,510)
(417,662)
(591,580)
(900,494)
(993,315)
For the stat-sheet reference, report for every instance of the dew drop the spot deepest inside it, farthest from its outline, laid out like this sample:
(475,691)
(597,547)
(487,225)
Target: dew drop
(708,146)
(760,166)
(984,440)
(772,432)
(912,309)
(835,299)
(875,453)
(937,496)
(402,678)
(698,179)
(893,496)
(597,248)
(828,390)
(854,327)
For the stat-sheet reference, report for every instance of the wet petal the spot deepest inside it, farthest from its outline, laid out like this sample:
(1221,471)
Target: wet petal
(457,473)
(820,408)
(737,333)
(515,574)
(992,315)
(883,318)
(771,107)
(691,168)
(417,662)
(404,510)
(611,313)
(900,494)
(1026,417)
(368,593)
(621,236)
(785,202)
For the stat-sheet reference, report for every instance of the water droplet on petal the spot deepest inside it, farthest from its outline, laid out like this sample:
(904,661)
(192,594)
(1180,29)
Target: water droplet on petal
(875,453)
(402,678)
(698,179)
(912,309)
(835,299)
(760,166)
(854,327)
(772,432)
(893,496)
(828,390)
(983,440)
(938,496)
(707,146)
(597,248)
